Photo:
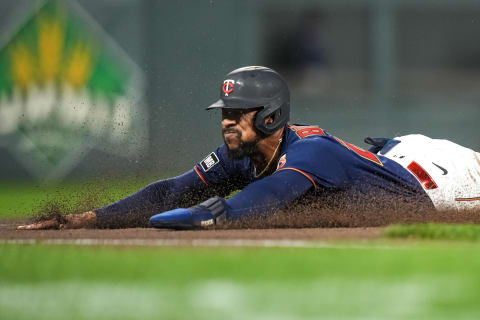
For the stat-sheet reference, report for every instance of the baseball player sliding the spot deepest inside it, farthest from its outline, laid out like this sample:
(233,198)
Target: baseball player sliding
(275,163)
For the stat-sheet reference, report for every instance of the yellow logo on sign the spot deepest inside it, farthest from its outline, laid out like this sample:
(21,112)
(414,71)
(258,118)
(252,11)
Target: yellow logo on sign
(64,89)
(42,63)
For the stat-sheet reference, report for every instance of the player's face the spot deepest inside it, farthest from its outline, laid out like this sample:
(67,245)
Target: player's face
(238,131)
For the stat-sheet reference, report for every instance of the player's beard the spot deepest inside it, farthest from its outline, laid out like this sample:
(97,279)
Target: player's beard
(244,149)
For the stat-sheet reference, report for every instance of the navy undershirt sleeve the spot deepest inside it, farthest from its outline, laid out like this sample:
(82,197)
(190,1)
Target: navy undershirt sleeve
(135,209)
(268,194)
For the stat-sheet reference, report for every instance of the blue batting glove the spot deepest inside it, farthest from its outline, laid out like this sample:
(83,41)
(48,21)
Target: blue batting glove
(182,219)
(208,213)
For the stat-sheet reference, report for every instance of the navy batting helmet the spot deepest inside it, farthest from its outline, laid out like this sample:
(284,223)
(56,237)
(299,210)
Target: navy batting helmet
(255,87)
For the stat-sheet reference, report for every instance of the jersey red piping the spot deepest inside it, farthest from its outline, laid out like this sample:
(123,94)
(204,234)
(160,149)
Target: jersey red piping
(468,199)
(199,174)
(300,171)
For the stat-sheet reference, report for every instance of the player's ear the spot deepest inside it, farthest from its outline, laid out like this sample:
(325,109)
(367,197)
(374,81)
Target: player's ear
(268,120)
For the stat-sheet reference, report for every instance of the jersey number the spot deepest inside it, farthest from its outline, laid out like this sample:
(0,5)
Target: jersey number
(362,153)
(307,131)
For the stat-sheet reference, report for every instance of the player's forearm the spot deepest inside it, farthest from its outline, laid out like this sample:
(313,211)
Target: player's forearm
(83,220)
(267,195)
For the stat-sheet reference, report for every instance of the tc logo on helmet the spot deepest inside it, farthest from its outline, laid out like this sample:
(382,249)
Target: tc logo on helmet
(228,86)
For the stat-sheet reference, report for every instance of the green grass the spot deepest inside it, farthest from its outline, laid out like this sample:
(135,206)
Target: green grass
(65,282)
(26,199)
(434,231)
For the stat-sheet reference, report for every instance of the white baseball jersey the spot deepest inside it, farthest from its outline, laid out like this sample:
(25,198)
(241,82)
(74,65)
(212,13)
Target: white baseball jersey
(449,173)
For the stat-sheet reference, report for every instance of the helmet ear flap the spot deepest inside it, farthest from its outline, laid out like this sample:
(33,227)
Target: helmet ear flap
(259,121)
(263,114)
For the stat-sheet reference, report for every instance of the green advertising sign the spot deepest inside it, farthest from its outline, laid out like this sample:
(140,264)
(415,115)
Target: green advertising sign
(65,88)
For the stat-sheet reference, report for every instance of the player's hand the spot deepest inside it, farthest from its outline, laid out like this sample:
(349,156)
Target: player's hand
(69,221)
(47,224)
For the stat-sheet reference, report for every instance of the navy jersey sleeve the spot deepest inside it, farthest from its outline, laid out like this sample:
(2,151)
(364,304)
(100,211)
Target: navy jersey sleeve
(268,194)
(135,209)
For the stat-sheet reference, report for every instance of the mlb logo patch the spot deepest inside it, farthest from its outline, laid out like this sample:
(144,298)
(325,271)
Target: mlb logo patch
(210,161)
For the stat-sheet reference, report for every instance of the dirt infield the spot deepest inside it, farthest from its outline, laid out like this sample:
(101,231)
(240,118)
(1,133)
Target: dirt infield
(318,226)
(8,232)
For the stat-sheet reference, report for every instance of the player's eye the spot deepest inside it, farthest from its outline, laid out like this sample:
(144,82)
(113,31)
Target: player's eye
(232,114)
(236,114)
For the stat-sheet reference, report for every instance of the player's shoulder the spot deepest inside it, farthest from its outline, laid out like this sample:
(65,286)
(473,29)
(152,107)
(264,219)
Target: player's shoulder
(306,137)
(312,151)
(304,131)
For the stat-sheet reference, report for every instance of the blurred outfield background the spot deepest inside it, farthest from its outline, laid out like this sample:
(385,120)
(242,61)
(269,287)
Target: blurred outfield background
(117,88)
